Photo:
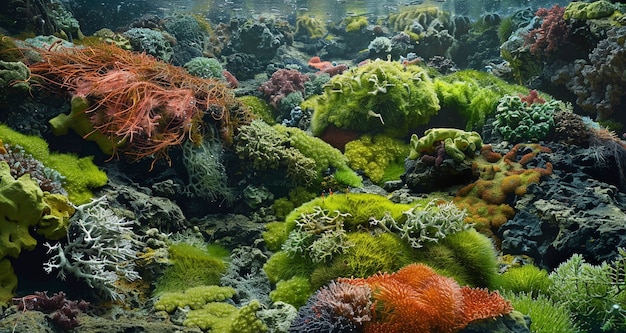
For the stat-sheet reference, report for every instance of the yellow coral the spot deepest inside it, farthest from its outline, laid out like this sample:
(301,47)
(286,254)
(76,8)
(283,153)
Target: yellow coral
(374,155)
(310,26)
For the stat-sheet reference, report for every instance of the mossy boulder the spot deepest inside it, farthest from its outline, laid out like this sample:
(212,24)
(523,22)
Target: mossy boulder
(13,75)
(191,266)
(472,95)
(380,96)
(589,10)
(81,174)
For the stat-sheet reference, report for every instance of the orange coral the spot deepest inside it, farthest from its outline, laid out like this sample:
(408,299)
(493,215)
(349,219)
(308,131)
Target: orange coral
(489,155)
(509,183)
(417,299)
(144,106)
(316,62)
(499,177)
(481,304)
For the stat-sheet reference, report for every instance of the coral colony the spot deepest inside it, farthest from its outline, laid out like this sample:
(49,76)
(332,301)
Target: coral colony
(101,249)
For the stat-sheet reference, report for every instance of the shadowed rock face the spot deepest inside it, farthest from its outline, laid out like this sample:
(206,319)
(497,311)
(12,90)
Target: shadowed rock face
(569,213)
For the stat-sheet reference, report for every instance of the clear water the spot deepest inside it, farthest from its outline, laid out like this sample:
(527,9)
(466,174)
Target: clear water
(116,13)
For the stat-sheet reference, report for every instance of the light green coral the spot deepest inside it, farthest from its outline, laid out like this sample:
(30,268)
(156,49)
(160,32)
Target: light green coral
(81,174)
(258,107)
(283,266)
(303,156)
(259,144)
(191,266)
(365,248)
(370,254)
(226,318)
(458,144)
(275,235)
(79,122)
(204,67)
(347,176)
(411,16)
(528,279)
(318,235)
(546,315)
(322,153)
(380,96)
(21,204)
(8,282)
(374,154)
(247,321)
(467,256)
(212,317)
(194,298)
(56,219)
(294,291)
(359,206)
(269,149)
(473,95)
(355,23)
(22,208)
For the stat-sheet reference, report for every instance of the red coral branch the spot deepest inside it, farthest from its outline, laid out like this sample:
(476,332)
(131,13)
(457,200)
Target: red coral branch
(532,98)
(552,33)
(282,83)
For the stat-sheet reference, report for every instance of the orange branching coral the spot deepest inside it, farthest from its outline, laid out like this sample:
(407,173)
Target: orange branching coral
(144,106)
(479,304)
(417,299)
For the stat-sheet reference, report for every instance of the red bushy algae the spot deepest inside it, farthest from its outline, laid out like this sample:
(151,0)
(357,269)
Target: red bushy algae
(143,105)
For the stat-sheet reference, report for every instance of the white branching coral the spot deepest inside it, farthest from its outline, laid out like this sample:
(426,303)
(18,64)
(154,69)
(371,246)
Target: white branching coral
(101,249)
(318,235)
(430,223)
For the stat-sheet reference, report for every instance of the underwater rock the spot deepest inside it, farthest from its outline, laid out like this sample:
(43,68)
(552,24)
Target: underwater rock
(243,65)
(570,213)
(190,37)
(151,211)
(259,39)
(514,322)
(422,177)
(152,42)
(439,159)
(231,230)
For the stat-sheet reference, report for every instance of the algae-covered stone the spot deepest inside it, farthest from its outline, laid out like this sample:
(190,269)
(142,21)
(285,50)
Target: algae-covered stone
(594,10)
(14,75)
